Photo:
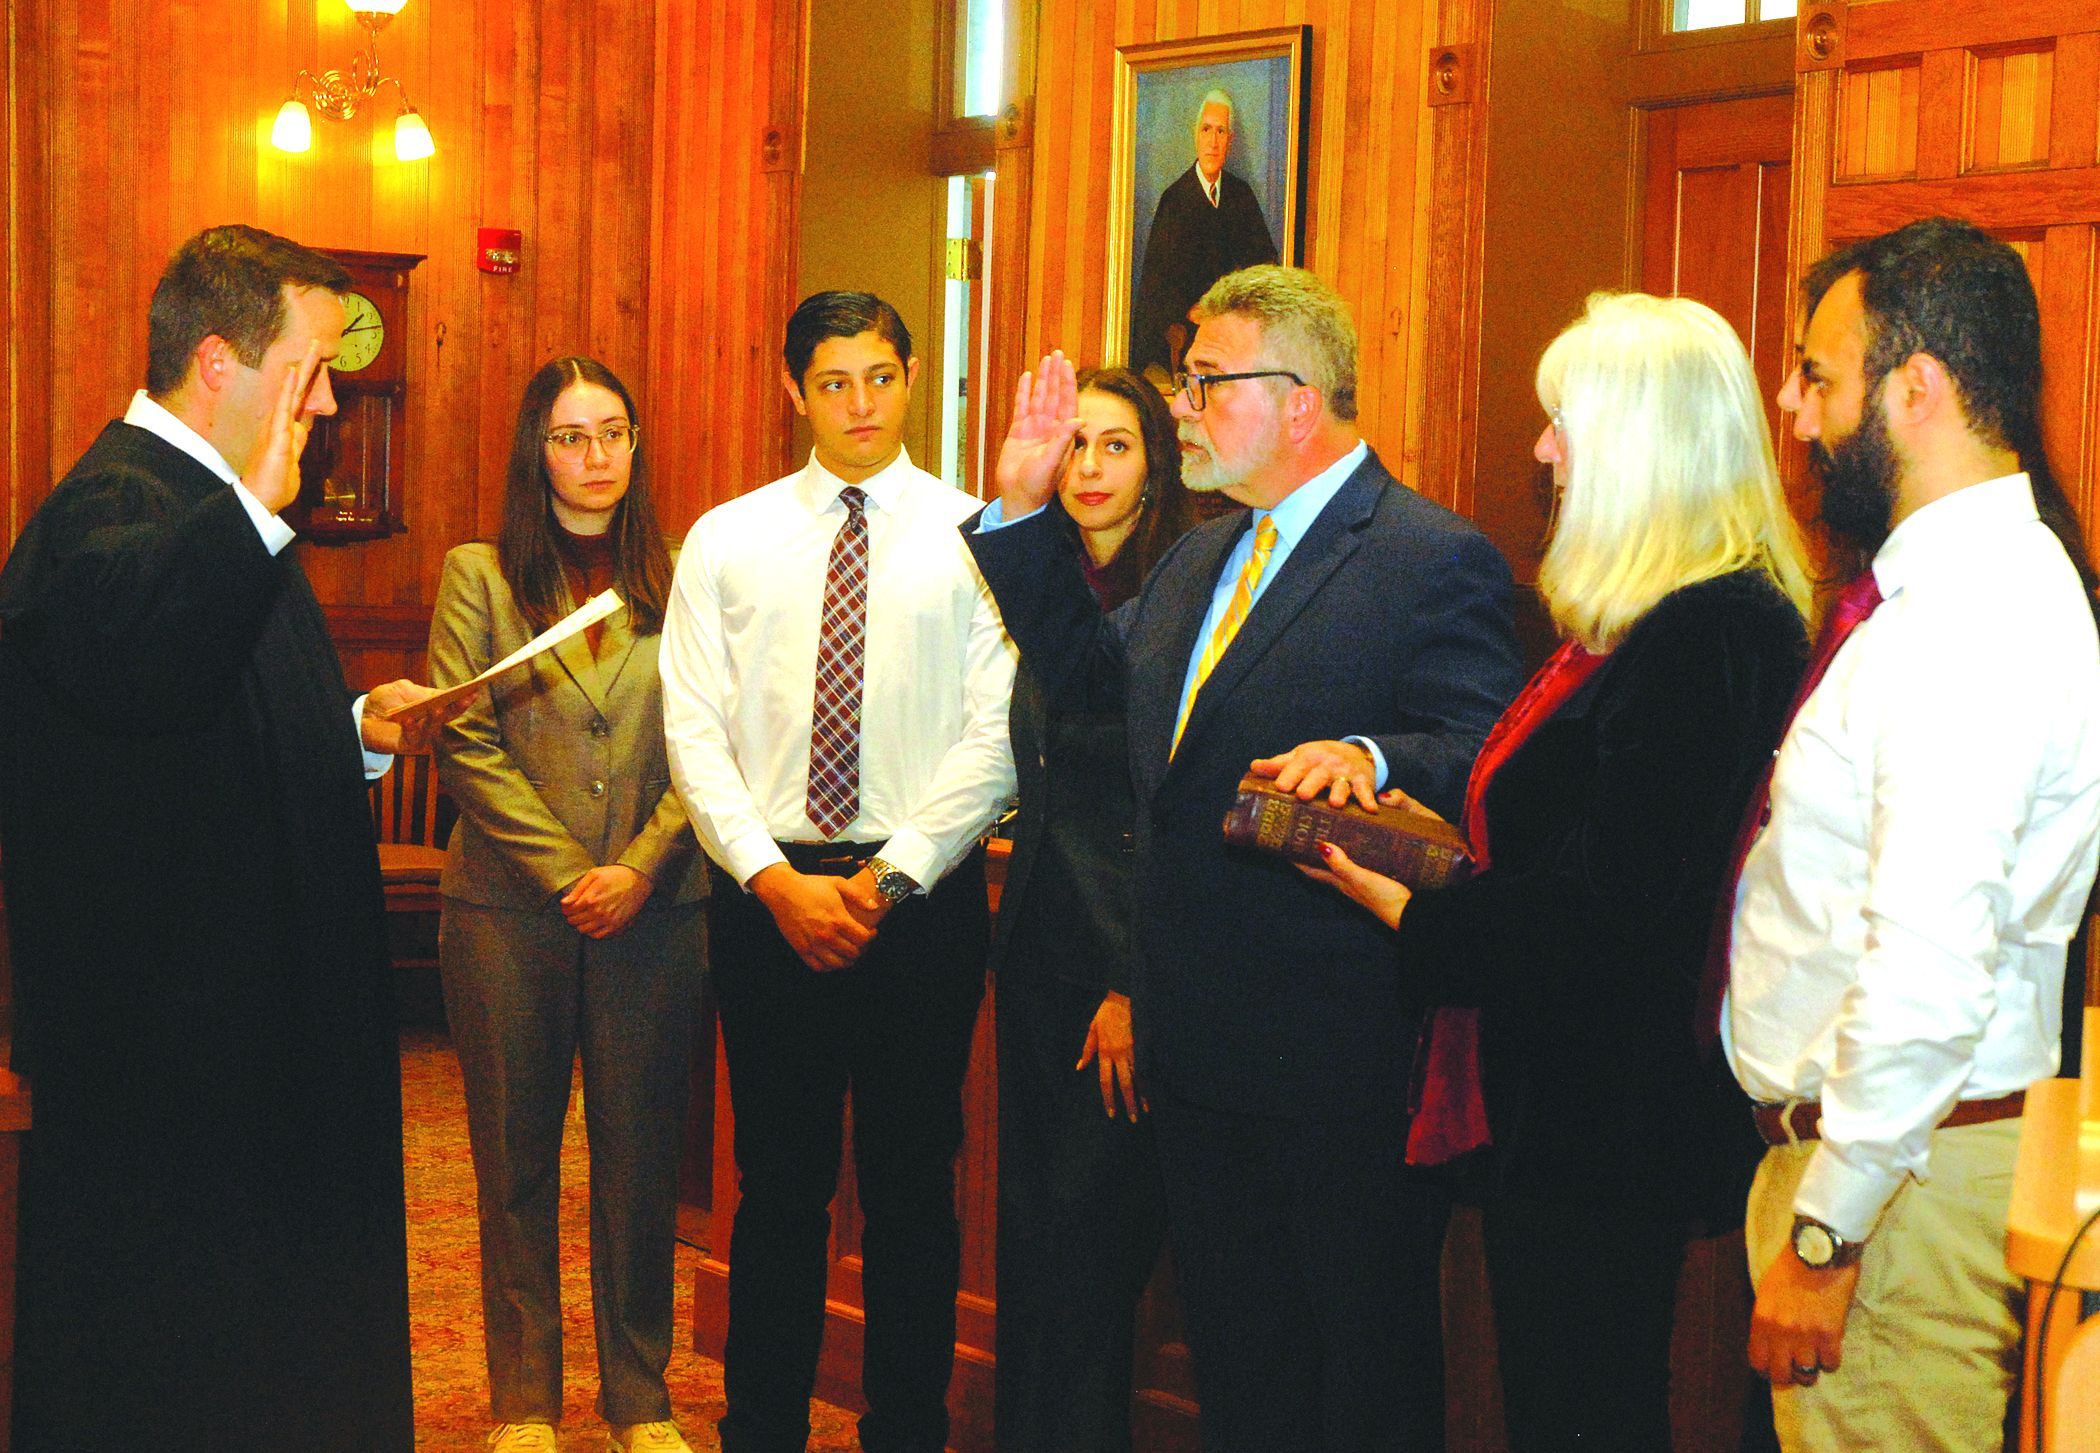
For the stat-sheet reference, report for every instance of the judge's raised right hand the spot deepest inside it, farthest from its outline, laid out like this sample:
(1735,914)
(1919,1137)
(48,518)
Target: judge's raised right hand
(1046,416)
(819,919)
(273,472)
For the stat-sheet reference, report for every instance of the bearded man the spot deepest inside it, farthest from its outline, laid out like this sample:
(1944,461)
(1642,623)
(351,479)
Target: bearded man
(1900,922)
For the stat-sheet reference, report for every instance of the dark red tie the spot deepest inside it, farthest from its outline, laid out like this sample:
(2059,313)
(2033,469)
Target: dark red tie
(834,736)
(1854,604)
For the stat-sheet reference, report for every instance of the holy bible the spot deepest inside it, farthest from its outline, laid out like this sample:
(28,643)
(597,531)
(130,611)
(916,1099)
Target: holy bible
(1421,851)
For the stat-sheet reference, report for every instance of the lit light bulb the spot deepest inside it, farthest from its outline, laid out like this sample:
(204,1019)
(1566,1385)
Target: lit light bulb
(376,7)
(294,128)
(411,137)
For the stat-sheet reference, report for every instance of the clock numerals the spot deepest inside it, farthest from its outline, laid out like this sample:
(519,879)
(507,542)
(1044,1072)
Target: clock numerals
(364,334)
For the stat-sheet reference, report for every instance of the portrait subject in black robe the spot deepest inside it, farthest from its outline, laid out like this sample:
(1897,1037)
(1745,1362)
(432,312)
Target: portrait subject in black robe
(1208,223)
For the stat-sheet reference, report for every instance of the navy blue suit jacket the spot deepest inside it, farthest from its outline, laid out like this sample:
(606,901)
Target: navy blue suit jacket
(1257,989)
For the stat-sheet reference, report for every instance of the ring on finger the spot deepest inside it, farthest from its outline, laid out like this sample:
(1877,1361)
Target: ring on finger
(1807,1374)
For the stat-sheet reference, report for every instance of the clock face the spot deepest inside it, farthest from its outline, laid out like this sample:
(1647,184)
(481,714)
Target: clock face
(364,334)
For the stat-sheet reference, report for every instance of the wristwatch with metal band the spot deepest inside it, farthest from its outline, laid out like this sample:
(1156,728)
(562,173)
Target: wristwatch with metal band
(1822,1248)
(891,881)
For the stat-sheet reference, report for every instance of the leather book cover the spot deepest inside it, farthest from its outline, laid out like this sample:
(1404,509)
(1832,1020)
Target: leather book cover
(1421,851)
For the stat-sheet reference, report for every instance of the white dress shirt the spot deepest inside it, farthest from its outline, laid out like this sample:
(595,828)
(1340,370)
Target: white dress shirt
(1900,924)
(145,414)
(739,663)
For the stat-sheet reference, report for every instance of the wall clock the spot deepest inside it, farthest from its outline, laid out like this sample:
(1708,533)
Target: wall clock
(351,475)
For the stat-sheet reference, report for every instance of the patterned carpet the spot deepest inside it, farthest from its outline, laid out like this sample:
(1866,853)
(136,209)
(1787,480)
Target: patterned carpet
(444,1283)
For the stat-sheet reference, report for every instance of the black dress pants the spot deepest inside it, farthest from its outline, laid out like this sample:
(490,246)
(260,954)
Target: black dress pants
(1584,1299)
(1308,1258)
(1081,1220)
(894,1028)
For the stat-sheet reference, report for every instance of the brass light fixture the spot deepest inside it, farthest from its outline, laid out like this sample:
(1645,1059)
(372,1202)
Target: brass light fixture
(338,96)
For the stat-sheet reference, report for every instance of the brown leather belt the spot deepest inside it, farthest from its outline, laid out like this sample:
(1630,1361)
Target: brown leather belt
(1794,1120)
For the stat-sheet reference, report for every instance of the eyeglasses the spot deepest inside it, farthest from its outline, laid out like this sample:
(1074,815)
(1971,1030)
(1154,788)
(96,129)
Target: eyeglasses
(1195,387)
(571,445)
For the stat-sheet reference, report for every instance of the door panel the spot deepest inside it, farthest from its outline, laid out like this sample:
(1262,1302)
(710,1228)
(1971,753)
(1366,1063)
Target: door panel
(1715,221)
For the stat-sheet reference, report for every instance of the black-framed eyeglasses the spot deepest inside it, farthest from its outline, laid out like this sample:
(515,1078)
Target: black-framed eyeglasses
(571,445)
(1195,387)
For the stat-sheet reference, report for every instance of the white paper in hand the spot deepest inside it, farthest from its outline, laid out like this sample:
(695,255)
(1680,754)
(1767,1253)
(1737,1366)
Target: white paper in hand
(596,609)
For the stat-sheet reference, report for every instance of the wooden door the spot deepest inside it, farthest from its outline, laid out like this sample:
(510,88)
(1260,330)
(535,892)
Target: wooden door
(1714,213)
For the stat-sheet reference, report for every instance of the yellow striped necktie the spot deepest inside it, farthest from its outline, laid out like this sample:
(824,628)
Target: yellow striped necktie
(1229,624)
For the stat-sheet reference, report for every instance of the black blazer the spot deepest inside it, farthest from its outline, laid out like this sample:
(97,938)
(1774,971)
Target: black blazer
(1067,906)
(1585,941)
(1257,989)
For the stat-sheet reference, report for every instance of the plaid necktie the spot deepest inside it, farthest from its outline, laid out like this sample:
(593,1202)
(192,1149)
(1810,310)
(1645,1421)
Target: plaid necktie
(1854,604)
(834,735)
(1229,624)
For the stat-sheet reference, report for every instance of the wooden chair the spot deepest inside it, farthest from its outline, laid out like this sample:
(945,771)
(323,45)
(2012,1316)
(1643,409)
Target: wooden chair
(412,821)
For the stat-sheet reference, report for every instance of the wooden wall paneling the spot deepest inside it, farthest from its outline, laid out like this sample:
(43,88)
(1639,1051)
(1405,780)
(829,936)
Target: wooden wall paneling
(1940,85)
(557,210)
(1458,188)
(1904,27)
(2074,127)
(2065,285)
(2030,75)
(31,383)
(156,113)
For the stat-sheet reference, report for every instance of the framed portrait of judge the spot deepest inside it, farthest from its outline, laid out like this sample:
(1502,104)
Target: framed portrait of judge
(1208,176)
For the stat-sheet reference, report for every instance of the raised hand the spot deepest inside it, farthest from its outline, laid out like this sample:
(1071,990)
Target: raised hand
(273,472)
(1046,416)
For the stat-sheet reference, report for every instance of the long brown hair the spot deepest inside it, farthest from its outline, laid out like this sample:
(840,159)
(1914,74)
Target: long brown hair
(1168,509)
(641,566)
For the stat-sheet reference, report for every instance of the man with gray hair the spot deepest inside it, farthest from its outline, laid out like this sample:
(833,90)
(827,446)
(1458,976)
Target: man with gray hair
(1208,223)
(1274,1037)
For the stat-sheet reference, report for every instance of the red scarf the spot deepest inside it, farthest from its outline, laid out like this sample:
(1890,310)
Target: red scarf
(1450,1118)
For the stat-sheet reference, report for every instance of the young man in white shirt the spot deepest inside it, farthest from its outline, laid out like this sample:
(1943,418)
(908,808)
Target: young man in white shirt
(835,695)
(1900,924)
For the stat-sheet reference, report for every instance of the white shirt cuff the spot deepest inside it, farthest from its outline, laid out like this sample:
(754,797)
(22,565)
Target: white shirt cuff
(1377,757)
(1846,1199)
(994,518)
(376,763)
(913,854)
(276,534)
(747,857)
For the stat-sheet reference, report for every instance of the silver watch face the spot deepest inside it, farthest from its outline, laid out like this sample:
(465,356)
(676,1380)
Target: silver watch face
(1814,1244)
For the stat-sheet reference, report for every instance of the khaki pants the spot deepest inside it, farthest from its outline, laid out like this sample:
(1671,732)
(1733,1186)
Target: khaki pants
(1932,1346)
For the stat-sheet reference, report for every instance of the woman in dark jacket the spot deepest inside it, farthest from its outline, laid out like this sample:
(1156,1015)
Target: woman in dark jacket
(1080,1215)
(1604,809)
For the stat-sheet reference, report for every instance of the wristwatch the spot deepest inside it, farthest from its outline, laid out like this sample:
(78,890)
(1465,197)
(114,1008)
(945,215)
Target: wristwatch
(1821,1248)
(891,881)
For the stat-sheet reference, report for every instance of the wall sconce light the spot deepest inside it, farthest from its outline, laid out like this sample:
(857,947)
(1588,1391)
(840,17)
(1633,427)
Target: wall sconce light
(338,96)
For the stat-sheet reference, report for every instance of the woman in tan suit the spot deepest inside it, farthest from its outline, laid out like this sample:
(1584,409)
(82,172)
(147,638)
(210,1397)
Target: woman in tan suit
(572,914)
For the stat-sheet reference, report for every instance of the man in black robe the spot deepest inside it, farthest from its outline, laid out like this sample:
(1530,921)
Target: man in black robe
(1208,223)
(212,1247)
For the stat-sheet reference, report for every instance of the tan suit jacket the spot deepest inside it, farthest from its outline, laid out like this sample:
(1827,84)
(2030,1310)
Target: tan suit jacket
(564,768)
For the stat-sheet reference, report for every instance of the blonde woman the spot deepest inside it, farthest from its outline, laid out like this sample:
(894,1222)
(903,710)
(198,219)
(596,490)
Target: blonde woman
(1604,807)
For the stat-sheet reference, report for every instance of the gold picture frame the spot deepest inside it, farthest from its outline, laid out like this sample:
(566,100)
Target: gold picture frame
(1161,91)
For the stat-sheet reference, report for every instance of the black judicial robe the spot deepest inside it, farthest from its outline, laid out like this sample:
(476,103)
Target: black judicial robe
(212,1238)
